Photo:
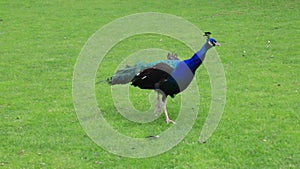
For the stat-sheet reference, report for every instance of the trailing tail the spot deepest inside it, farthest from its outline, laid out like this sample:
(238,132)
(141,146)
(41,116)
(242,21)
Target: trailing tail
(125,75)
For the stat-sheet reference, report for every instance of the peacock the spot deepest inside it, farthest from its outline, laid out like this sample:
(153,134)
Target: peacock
(167,77)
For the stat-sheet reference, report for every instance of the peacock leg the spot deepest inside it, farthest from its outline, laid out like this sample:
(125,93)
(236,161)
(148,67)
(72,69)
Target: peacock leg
(168,120)
(158,105)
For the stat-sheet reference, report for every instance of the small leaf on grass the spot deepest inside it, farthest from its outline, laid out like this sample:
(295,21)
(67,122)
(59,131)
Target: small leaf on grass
(98,162)
(152,137)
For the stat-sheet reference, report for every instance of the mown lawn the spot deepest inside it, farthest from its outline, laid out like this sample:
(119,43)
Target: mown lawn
(41,40)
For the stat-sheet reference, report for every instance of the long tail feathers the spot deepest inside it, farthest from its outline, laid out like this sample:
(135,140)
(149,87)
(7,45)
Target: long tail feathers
(125,75)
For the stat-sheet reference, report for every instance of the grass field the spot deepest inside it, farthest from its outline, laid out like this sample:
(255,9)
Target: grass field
(41,40)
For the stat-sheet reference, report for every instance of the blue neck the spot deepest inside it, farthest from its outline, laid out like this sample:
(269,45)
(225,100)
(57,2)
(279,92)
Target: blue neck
(196,60)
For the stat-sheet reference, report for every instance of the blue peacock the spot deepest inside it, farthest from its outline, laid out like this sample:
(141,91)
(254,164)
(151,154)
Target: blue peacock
(167,77)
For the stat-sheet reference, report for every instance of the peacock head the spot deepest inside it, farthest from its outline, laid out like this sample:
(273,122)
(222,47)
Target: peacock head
(211,41)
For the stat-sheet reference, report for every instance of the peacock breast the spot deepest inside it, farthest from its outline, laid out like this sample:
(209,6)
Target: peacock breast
(183,75)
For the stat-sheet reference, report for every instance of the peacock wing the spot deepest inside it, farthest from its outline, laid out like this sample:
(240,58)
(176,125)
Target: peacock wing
(150,78)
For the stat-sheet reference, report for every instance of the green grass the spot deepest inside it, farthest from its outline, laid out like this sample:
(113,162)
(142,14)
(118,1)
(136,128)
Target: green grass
(41,40)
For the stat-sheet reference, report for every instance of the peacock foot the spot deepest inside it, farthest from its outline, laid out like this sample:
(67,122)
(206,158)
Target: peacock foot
(168,121)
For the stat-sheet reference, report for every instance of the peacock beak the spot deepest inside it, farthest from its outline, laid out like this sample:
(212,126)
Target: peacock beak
(217,44)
